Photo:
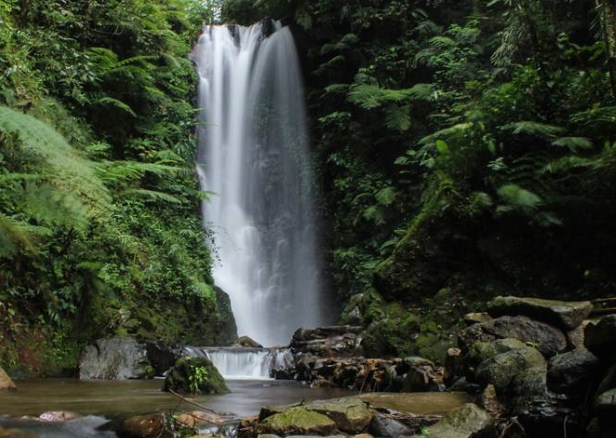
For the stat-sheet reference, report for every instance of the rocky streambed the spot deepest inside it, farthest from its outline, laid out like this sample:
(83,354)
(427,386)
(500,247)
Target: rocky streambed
(526,368)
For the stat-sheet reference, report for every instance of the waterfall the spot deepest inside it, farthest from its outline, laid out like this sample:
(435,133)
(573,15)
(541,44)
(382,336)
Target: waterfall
(245,363)
(253,162)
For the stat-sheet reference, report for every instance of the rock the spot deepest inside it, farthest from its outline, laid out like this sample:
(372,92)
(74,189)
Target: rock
(600,338)
(248,427)
(605,409)
(195,375)
(114,359)
(528,389)
(145,426)
(245,341)
(386,427)
(474,318)
(468,421)
(564,314)
(608,381)
(200,418)
(350,414)
(16,433)
(575,337)
(546,338)
(299,421)
(225,327)
(571,373)
(482,351)
(340,341)
(6,383)
(56,416)
(420,403)
(499,370)
(160,356)
(489,402)
(454,366)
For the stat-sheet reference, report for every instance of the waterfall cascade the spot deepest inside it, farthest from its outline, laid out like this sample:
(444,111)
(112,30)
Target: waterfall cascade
(253,160)
(245,363)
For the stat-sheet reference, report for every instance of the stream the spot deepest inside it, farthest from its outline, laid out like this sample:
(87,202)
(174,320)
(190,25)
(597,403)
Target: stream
(100,401)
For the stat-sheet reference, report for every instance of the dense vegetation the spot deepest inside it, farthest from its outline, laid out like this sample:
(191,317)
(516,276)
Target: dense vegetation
(99,205)
(466,149)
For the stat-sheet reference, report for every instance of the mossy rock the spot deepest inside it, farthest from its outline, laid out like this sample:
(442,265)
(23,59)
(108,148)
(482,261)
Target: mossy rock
(297,421)
(195,375)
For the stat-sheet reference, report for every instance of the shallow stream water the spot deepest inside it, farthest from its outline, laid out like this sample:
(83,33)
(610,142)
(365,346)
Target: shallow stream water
(100,401)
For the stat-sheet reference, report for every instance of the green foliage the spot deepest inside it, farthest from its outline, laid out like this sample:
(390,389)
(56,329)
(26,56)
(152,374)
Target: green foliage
(98,198)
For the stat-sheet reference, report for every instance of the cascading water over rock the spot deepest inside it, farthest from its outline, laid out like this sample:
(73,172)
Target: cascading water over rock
(253,160)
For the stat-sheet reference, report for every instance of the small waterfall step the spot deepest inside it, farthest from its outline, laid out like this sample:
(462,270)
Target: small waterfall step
(242,363)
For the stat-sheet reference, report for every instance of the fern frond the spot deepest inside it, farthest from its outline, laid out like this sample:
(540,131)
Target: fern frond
(455,130)
(519,198)
(61,165)
(536,129)
(398,117)
(151,195)
(573,143)
(117,104)
(16,235)
(595,116)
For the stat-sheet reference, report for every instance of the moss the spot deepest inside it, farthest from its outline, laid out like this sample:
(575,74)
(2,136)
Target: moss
(297,421)
(195,375)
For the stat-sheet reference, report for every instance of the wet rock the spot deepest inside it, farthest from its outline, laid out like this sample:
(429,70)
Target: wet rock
(528,389)
(160,356)
(56,416)
(419,403)
(350,414)
(387,427)
(454,366)
(245,341)
(564,314)
(145,426)
(571,372)
(575,337)
(489,401)
(499,370)
(16,433)
(600,338)
(340,341)
(605,409)
(114,359)
(248,427)
(297,421)
(225,327)
(200,418)
(195,375)
(547,339)
(468,421)
(6,383)
(608,381)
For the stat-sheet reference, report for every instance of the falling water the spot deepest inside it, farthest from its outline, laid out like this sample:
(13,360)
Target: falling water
(254,162)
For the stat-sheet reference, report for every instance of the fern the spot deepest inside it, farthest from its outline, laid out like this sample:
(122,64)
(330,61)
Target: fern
(151,195)
(61,166)
(535,129)
(573,143)
(398,117)
(16,235)
(519,198)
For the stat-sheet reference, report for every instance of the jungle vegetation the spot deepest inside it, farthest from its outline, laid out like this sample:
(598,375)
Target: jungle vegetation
(464,149)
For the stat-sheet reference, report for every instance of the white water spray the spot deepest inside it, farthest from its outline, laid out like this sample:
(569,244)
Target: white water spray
(253,158)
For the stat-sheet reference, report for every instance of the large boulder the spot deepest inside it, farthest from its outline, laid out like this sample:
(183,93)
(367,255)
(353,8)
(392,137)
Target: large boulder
(571,373)
(482,351)
(246,342)
(468,421)
(600,338)
(350,414)
(547,339)
(114,359)
(564,314)
(145,426)
(528,388)
(340,341)
(499,370)
(6,384)
(297,421)
(195,375)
